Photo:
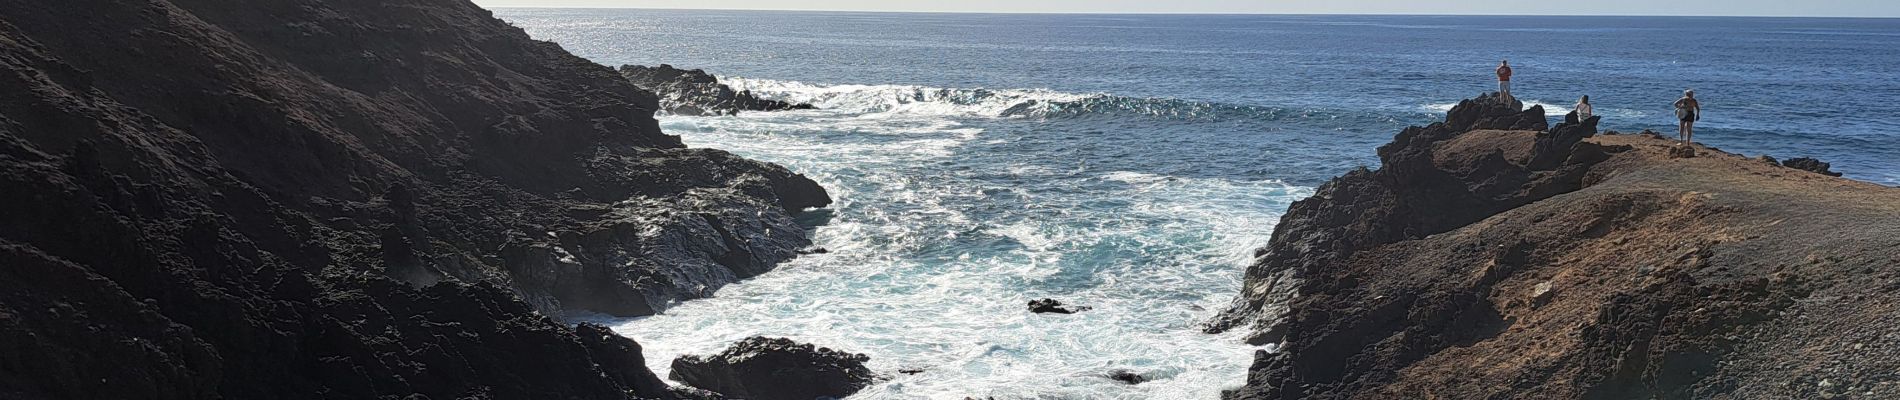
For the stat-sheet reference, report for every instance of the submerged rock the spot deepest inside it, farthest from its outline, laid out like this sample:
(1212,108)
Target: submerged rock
(761,368)
(1048,306)
(1126,376)
(695,92)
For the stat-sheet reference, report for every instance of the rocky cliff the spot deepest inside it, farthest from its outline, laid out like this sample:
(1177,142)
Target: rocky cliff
(1490,257)
(317,199)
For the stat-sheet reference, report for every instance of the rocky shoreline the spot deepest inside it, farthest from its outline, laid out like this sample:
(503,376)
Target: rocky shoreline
(305,199)
(308,199)
(696,93)
(1493,257)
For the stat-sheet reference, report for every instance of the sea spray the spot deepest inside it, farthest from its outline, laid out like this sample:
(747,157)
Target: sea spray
(951,215)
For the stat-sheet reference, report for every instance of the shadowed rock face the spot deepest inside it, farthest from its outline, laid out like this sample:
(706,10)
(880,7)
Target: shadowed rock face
(775,369)
(307,199)
(695,92)
(1490,263)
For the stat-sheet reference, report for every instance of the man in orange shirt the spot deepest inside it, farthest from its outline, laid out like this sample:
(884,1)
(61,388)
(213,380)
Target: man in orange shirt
(1504,80)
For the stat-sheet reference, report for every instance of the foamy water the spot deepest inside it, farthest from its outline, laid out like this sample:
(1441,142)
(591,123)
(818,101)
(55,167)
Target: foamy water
(940,236)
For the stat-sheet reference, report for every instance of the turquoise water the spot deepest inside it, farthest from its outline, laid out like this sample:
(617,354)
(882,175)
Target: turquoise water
(1133,163)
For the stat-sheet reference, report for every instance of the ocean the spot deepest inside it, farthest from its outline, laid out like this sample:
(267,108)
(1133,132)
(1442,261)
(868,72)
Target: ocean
(1132,163)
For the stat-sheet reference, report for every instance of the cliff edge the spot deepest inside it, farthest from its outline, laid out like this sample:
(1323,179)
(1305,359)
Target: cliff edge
(312,199)
(1492,257)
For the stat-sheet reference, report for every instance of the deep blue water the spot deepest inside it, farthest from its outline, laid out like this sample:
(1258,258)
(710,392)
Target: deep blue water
(1132,162)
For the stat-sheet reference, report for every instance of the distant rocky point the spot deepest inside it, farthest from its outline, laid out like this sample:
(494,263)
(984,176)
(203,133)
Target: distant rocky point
(697,93)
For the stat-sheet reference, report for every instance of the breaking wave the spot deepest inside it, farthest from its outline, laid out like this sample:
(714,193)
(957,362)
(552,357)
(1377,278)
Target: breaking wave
(996,103)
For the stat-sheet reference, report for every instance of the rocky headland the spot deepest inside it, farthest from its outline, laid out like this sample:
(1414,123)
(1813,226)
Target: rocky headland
(695,92)
(1491,256)
(311,199)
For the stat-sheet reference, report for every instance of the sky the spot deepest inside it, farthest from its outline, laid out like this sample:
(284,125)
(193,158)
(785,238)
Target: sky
(1813,8)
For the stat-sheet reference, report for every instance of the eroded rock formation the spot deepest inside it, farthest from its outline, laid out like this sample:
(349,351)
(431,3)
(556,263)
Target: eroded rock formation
(775,369)
(1480,262)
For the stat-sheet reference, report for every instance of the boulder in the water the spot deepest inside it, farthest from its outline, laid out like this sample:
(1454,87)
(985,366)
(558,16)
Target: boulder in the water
(1048,306)
(761,368)
(1128,377)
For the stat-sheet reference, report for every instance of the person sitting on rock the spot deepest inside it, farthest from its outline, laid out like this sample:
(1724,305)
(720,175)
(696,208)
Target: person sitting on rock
(1584,111)
(1688,110)
(1504,80)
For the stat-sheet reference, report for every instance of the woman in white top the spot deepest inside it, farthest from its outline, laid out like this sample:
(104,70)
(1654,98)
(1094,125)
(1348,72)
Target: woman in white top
(1584,111)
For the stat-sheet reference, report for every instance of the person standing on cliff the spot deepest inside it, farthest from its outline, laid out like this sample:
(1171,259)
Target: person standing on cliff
(1504,80)
(1688,110)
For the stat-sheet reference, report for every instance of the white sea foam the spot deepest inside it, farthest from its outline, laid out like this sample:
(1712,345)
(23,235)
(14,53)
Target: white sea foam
(872,101)
(932,257)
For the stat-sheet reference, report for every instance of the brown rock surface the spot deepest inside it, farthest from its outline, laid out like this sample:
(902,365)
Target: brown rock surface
(322,199)
(1716,276)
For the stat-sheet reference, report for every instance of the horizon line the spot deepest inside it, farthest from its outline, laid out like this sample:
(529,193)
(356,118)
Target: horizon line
(1191,13)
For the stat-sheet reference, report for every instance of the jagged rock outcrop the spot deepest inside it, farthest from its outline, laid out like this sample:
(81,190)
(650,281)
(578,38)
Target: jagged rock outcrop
(1553,264)
(763,368)
(695,92)
(308,199)
(1420,190)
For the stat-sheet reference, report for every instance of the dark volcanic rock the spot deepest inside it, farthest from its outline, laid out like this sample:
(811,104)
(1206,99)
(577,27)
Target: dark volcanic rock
(762,368)
(1429,183)
(1810,165)
(1046,306)
(311,199)
(695,92)
(1489,111)
(1128,377)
